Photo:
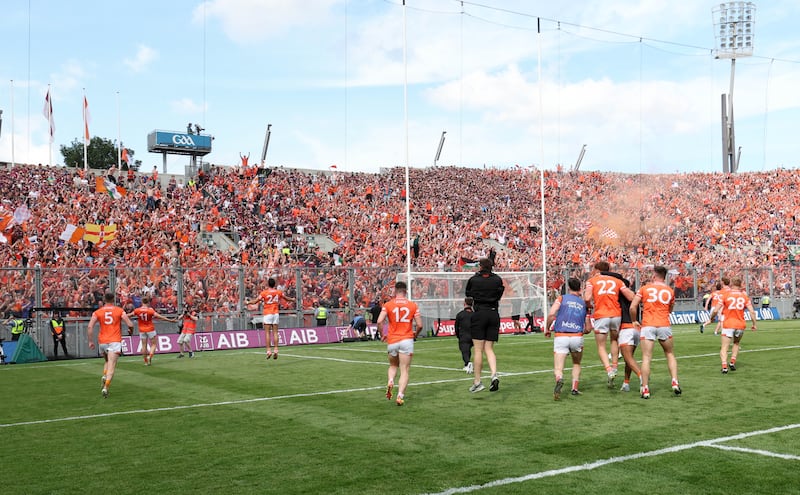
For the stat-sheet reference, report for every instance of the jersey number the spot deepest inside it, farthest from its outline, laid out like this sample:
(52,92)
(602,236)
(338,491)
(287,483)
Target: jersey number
(661,295)
(736,303)
(606,288)
(108,318)
(402,315)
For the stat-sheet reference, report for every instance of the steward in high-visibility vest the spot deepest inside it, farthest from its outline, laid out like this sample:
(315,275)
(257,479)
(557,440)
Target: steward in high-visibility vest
(17,328)
(57,330)
(321,315)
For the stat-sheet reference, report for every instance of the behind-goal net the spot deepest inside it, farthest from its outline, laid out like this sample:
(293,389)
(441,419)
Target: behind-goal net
(440,296)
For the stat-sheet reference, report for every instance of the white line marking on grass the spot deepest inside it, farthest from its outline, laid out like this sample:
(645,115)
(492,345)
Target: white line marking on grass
(757,451)
(382,363)
(613,460)
(223,403)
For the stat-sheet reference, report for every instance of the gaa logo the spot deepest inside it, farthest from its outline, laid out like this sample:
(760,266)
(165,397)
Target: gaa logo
(182,140)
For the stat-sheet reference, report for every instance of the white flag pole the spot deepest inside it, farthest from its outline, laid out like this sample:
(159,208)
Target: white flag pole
(50,125)
(85,126)
(12,124)
(119,137)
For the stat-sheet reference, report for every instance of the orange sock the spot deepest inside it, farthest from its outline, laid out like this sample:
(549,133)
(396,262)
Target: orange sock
(574,384)
(108,383)
(733,360)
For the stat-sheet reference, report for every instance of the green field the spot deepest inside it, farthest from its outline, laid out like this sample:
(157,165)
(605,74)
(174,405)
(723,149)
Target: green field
(316,421)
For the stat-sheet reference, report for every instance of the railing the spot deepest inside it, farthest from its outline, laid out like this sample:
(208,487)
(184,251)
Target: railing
(219,293)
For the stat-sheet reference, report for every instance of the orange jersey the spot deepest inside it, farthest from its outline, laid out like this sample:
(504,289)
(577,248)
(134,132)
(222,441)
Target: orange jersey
(401,314)
(145,316)
(270,297)
(716,297)
(734,302)
(605,294)
(189,325)
(657,301)
(110,318)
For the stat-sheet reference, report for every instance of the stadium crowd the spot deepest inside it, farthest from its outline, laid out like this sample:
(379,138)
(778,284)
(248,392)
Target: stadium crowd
(697,224)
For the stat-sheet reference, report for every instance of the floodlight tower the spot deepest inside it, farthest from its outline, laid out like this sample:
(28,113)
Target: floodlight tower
(734,25)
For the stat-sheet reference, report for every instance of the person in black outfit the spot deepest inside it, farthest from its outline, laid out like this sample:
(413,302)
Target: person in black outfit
(57,330)
(626,325)
(463,322)
(486,289)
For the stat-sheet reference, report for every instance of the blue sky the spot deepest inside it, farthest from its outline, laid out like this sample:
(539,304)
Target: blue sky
(329,76)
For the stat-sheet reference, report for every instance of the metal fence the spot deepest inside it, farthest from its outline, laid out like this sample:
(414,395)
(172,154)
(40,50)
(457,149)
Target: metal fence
(219,293)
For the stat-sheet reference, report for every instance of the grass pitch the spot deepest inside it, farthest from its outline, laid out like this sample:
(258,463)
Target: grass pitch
(316,421)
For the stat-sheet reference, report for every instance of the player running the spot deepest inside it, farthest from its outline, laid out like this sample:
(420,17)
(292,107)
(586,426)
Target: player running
(657,300)
(603,292)
(732,303)
(402,315)
(147,329)
(109,316)
(568,319)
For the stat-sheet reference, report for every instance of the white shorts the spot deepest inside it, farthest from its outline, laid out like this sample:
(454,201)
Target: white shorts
(629,336)
(732,332)
(653,333)
(115,347)
(271,319)
(567,345)
(147,335)
(184,338)
(604,325)
(405,346)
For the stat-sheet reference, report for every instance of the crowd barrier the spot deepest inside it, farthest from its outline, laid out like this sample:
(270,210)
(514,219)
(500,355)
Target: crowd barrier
(219,293)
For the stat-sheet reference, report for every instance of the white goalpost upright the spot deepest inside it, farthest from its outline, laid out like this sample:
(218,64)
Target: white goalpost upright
(440,295)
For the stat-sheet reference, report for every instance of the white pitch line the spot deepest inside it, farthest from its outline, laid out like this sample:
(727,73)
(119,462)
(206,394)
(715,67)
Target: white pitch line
(382,363)
(757,451)
(223,403)
(613,460)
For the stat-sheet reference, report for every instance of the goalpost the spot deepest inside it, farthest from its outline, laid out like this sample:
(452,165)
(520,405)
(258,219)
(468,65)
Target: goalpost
(440,296)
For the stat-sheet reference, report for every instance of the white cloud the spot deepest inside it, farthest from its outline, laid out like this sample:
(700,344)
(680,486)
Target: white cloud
(248,21)
(187,106)
(144,56)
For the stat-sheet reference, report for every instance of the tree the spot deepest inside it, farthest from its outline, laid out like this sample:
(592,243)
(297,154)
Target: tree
(101,153)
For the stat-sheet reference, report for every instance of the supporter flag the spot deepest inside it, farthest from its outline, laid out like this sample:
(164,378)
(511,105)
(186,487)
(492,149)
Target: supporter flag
(105,186)
(72,234)
(6,221)
(467,263)
(99,234)
(21,215)
(47,111)
(86,138)
(609,233)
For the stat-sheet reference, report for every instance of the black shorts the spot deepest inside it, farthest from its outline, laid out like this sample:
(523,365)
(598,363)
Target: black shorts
(485,325)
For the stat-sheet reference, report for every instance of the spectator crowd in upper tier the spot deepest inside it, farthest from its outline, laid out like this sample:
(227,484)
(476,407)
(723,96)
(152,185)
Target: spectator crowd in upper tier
(699,222)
